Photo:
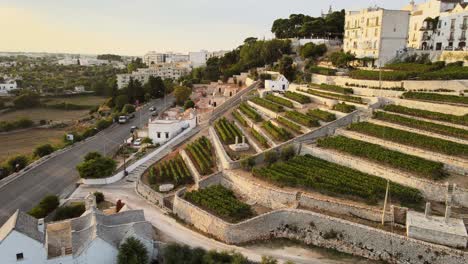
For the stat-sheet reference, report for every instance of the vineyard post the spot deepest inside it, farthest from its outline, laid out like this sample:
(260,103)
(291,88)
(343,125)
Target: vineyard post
(385,203)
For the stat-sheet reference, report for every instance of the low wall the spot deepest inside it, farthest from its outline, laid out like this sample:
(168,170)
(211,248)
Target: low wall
(319,230)
(376,92)
(442,108)
(225,160)
(149,194)
(193,170)
(264,110)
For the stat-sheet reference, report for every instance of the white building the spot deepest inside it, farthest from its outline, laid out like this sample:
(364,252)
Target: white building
(154,57)
(376,33)
(452,29)
(278,82)
(199,58)
(7,85)
(91,238)
(164,70)
(421,30)
(170,124)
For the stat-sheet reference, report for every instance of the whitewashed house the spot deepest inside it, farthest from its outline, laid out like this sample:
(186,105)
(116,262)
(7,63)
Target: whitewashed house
(93,238)
(170,124)
(278,82)
(6,86)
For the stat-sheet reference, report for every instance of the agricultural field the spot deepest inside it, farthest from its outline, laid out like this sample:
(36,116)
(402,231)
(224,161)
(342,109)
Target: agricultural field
(221,202)
(460,120)
(344,108)
(437,98)
(279,100)
(333,88)
(37,114)
(250,112)
(86,100)
(322,115)
(303,119)
(300,98)
(278,133)
(342,97)
(201,153)
(268,104)
(172,170)
(332,179)
(227,131)
(289,125)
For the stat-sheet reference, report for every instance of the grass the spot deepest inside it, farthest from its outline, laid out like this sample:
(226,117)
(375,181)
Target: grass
(78,100)
(37,114)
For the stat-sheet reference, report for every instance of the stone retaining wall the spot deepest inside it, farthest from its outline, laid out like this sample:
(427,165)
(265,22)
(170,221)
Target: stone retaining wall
(149,194)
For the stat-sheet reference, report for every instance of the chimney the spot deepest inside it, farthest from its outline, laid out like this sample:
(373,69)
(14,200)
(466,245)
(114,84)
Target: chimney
(40,225)
(427,212)
(447,213)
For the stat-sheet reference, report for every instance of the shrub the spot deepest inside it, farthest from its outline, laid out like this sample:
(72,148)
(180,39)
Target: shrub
(436,97)
(345,108)
(43,150)
(279,100)
(99,197)
(128,109)
(247,163)
(227,131)
(278,133)
(177,254)
(300,98)
(421,167)
(386,75)
(132,251)
(95,166)
(462,120)
(18,162)
(21,123)
(271,157)
(302,119)
(69,211)
(322,115)
(291,125)
(312,50)
(189,104)
(250,112)
(321,70)
(147,140)
(29,100)
(48,204)
(221,201)
(411,139)
(103,124)
(287,152)
(268,104)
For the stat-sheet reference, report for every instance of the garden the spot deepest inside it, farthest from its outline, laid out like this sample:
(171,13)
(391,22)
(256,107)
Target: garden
(333,179)
(227,131)
(279,100)
(413,164)
(461,120)
(422,125)
(344,108)
(411,139)
(201,153)
(171,171)
(250,112)
(289,124)
(222,202)
(333,88)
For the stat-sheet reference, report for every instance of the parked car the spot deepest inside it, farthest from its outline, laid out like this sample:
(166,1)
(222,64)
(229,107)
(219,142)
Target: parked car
(123,119)
(133,128)
(137,142)
(152,109)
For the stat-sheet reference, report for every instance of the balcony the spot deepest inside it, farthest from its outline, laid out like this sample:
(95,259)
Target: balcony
(462,38)
(426,38)
(450,38)
(463,26)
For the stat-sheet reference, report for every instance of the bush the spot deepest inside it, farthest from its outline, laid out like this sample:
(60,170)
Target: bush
(147,140)
(436,97)
(95,166)
(421,167)
(411,139)
(321,70)
(271,157)
(43,150)
(334,88)
(189,104)
(322,115)
(239,118)
(21,123)
(287,152)
(173,171)
(260,138)
(268,104)
(344,108)
(312,50)
(279,100)
(177,254)
(69,211)
(201,153)
(220,201)
(128,109)
(45,206)
(29,100)
(103,124)
(250,112)
(386,75)
(132,251)
(99,197)
(247,163)
(18,162)
(291,125)
(300,98)
(302,119)
(462,120)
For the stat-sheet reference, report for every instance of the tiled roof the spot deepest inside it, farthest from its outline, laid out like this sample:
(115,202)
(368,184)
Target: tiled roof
(23,223)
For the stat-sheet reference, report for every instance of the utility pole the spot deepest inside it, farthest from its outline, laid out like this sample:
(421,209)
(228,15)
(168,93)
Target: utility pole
(124,154)
(385,203)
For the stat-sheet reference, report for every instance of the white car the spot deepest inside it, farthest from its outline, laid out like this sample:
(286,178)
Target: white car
(152,109)
(137,142)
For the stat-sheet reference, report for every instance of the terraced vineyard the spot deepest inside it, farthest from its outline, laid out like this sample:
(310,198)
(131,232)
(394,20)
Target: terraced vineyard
(279,100)
(277,133)
(173,171)
(341,97)
(201,153)
(221,202)
(333,88)
(322,115)
(419,166)
(268,104)
(302,119)
(250,112)
(261,139)
(300,98)
(437,98)
(291,125)
(461,120)
(344,108)
(227,131)
(411,139)
(239,118)
(330,178)
(422,125)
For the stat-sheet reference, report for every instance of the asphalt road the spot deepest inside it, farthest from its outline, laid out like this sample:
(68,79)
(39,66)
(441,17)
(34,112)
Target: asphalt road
(58,174)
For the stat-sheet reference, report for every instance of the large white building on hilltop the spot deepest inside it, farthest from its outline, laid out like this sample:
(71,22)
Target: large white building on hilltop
(376,34)
(164,70)
(421,29)
(452,29)
(196,59)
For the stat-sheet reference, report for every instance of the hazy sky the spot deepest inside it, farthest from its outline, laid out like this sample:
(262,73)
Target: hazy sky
(132,27)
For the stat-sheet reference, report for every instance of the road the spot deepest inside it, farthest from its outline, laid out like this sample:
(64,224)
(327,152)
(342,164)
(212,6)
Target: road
(58,174)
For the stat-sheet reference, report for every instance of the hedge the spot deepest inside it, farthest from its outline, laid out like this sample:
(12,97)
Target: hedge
(436,97)
(333,88)
(21,123)
(277,133)
(322,115)
(220,201)
(260,138)
(69,211)
(386,75)
(46,206)
(462,120)
(344,108)
(201,153)
(422,125)
(300,98)
(411,139)
(291,125)
(173,171)
(268,104)
(333,179)
(322,70)
(302,119)
(239,118)
(250,112)
(413,164)
(341,97)
(227,131)
(279,100)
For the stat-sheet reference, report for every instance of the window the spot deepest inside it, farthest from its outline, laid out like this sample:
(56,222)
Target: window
(19,256)
(167,134)
(159,134)
(376,33)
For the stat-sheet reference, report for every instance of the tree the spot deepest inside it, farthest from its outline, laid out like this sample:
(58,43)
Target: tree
(181,94)
(99,197)
(132,251)
(311,50)
(43,150)
(48,204)
(341,59)
(286,67)
(155,87)
(27,100)
(189,104)
(135,64)
(128,109)
(96,166)
(120,101)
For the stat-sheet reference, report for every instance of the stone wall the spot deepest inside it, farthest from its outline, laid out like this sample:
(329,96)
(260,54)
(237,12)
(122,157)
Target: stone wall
(442,108)
(192,168)
(223,158)
(149,194)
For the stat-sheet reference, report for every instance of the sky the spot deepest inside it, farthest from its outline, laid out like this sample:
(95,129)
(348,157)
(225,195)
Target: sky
(133,27)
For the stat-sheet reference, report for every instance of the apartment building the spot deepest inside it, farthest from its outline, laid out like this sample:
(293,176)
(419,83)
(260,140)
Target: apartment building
(376,34)
(164,70)
(451,30)
(423,21)
(153,57)
(7,85)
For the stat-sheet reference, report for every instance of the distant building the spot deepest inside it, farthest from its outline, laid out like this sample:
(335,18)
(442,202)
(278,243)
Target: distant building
(7,85)
(376,34)
(79,89)
(451,30)
(199,58)
(93,237)
(164,70)
(153,57)
(170,124)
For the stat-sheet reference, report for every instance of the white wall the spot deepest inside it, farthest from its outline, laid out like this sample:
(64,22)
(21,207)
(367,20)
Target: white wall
(98,251)
(168,129)
(15,242)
